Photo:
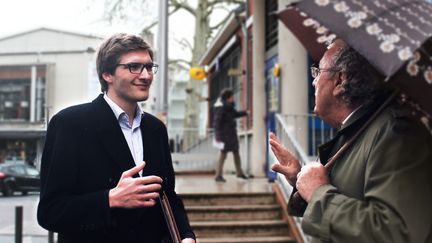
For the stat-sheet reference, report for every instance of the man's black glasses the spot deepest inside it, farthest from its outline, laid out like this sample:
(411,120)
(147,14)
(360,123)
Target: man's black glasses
(137,68)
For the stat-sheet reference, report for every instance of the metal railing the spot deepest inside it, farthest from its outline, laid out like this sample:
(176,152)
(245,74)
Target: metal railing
(202,155)
(308,129)
(198,157)
(299,133)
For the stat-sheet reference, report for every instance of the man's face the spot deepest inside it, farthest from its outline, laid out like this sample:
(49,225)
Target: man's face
(324,83)
(230,100)
(127,87)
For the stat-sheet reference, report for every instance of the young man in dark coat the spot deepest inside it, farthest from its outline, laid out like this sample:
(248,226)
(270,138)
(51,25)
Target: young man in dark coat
(226,132)
(96,187)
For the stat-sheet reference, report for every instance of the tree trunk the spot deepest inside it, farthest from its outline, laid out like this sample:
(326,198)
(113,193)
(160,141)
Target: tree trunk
(192,109)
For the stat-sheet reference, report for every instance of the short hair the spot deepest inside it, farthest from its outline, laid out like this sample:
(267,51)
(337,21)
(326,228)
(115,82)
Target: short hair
(226,93)
(364,83)
(111,50)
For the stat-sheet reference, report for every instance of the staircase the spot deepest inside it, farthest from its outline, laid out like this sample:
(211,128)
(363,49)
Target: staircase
(239,216)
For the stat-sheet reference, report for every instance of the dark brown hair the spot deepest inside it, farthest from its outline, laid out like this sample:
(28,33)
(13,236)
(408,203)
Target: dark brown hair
(112,49)
(226,93)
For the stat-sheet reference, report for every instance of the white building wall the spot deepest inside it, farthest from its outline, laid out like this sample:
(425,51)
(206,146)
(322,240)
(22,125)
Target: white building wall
(70,71)
(294,78)
(70,84)
(73,76)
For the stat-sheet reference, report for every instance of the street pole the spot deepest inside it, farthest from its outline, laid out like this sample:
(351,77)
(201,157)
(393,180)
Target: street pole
(18,224)
(162,59)
(247,75)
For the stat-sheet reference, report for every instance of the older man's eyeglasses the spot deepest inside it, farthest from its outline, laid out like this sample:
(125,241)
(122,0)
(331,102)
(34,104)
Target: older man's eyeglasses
(137,68)
(316,71)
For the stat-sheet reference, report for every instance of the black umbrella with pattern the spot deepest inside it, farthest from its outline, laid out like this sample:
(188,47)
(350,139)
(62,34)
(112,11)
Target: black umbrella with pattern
(393,35)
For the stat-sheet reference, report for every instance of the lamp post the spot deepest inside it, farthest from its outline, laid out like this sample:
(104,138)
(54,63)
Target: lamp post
(162,59)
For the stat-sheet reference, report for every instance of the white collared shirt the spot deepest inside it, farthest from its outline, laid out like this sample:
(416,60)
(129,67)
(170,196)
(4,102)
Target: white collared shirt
(352,113)
(132,133)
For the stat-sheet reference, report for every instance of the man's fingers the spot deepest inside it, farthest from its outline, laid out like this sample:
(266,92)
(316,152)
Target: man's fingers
(278,168)
(133,170)
(148,203)
(148,180)
(273,137)
(148,196)
(149,188)
(281,169)
(276,146)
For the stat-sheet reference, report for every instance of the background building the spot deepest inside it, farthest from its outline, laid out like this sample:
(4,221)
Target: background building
(261,60)
(41,72)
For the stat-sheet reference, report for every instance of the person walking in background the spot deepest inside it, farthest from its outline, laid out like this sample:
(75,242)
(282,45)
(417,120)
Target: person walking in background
(95,185)
(379,189)
(226,132)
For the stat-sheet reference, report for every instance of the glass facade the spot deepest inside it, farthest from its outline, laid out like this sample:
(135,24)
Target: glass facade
(22,94)
(22,108)
(15,100)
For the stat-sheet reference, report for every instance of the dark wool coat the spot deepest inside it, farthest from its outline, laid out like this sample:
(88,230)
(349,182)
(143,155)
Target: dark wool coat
(84,156)
(225,125)
(381,187)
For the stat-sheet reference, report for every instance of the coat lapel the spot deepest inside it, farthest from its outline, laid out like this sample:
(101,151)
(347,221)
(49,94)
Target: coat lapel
(110,135)
(151,146)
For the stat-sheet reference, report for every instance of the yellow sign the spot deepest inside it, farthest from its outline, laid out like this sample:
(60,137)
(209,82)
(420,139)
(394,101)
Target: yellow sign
(197,73)
(276,70)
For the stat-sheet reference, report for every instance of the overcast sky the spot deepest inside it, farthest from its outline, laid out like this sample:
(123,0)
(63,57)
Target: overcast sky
(75,15)
(83,16)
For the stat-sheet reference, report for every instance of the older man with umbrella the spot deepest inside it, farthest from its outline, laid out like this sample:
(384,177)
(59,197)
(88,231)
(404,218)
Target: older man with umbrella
(373,183)
(377,190)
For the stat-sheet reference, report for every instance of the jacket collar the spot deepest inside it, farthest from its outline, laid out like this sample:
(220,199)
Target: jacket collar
(357,119)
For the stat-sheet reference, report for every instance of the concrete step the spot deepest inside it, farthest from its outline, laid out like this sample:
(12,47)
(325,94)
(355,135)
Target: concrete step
(267,239)
(233,212)
(226,229)
(254,198)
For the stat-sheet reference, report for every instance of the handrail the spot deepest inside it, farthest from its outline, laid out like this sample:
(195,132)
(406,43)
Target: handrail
(283,131)
(298,149)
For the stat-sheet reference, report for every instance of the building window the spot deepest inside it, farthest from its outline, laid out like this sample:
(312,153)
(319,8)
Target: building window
(18,150)
(271,25)
(17,101)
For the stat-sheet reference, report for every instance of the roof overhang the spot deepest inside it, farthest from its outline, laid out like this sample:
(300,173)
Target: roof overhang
(10,131)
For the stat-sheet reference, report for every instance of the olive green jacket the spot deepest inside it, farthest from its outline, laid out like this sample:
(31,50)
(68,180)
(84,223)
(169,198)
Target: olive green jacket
(381,187)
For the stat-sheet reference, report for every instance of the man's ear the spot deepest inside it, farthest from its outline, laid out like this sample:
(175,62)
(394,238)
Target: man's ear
(107,77)
(339,81)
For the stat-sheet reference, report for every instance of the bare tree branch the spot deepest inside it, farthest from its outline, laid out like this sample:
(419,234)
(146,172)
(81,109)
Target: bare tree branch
(221,4)
(216,2)
(218,25)
(115,11)
(174,61)
(148,27)
(185,43)
(183,5)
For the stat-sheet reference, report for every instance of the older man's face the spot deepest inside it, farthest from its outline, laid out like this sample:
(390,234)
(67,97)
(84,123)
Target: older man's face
(324,83)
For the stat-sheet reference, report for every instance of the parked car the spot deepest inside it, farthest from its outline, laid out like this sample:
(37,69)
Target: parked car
(18,177)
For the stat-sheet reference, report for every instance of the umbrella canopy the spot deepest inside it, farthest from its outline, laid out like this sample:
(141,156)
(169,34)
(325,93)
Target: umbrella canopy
(393,35)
